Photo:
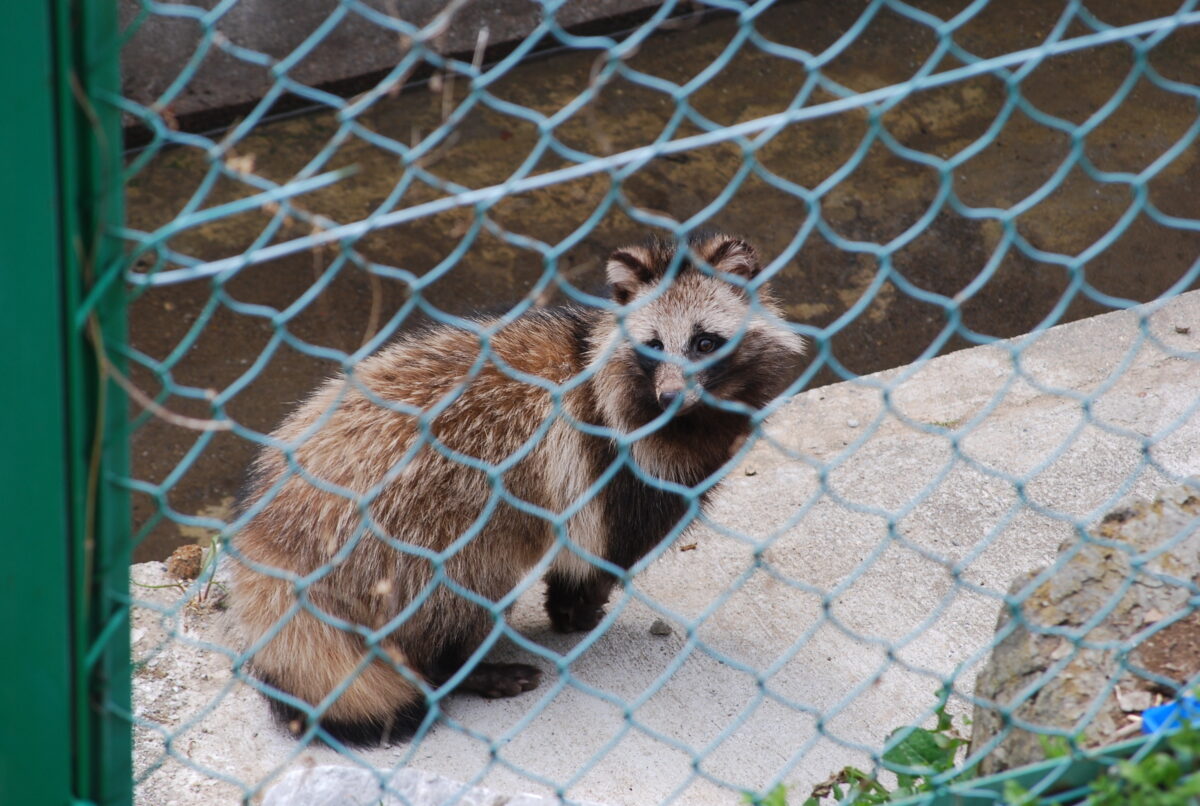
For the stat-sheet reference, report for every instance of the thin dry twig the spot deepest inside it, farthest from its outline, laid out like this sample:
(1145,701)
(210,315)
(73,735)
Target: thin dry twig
(447,85)
(604,143)
(1134,726)
(140,397)
(481,43)
(376,307)
(438,25)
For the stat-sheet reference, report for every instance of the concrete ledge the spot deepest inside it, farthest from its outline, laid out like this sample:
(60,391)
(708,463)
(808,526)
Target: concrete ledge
(163,45)
(856,562)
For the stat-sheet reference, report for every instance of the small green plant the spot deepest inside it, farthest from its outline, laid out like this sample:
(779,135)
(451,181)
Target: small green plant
(850,785)
(1159,779)
(1055,746)
(210,568)
(915,755)
(776,797)
(1017,795)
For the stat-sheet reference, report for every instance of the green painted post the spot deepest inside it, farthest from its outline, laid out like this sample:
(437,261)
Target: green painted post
(35,696)
(88,48)
(67,735)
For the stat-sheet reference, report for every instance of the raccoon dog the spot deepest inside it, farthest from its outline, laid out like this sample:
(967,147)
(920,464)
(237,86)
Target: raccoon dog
(380,471)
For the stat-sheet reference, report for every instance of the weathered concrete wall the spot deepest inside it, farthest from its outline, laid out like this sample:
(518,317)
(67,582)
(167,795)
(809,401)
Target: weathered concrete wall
(163,46)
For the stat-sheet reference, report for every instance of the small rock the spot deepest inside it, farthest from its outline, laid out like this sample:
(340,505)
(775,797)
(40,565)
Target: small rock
(1134,701)
(1182,331)
(660,627)
(1062,650)
(853,423)
(184,563)
(352,786)
(751,471)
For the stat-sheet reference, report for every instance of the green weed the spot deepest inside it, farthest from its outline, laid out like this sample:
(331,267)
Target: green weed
(915,756)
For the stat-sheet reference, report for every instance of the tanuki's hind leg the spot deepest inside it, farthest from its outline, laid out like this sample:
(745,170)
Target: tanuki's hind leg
(491,680)
(309,659)
(495,680)
(397,726)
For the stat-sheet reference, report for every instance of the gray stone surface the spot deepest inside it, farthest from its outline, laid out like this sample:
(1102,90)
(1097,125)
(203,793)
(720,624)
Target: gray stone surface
(1081,682)
(332,785)
(252,36)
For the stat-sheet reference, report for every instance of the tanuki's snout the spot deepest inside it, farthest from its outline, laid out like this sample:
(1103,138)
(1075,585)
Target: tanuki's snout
(670,385)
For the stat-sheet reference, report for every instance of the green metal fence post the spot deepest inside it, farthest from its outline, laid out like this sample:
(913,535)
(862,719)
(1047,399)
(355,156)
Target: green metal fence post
(65,576)
(35,745)
(88,51)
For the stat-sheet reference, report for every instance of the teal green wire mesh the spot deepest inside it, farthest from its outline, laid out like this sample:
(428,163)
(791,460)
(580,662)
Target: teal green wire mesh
(919,178)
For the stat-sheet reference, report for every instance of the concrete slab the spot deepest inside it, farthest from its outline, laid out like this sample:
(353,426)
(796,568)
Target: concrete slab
(854,563)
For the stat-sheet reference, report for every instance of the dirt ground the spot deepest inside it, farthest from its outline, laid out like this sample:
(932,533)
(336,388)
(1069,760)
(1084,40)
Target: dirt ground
(1173,653)
(262,335)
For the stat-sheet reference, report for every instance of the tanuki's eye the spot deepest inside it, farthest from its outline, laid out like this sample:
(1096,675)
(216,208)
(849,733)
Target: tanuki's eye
(655,344)
(706,344)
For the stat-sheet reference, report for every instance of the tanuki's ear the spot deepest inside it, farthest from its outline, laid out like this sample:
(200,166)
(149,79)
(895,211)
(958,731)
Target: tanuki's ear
(628,270)
(731,255)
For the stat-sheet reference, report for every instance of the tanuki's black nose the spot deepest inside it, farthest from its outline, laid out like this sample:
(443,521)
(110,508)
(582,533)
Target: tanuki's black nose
(666,398)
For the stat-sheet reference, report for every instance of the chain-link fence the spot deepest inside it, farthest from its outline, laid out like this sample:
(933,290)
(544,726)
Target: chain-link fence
(680,562)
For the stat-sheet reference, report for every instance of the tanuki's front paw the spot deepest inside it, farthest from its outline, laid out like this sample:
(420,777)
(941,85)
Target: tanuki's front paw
(577,616)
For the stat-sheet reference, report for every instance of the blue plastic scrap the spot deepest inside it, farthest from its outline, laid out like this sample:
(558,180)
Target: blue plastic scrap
(1167,716)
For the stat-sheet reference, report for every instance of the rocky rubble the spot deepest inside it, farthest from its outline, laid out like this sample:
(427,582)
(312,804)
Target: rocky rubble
(1104,635)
